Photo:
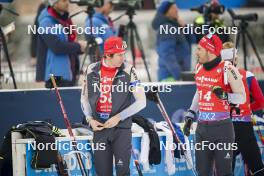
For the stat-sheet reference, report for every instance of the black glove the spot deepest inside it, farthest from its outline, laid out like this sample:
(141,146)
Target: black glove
(190,115)
(234,109)
(220,93)
(152,95)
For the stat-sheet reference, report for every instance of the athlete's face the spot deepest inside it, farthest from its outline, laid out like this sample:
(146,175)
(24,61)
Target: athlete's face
(108,8)
(173,12)
(118,59)
(201,55)
(62,6)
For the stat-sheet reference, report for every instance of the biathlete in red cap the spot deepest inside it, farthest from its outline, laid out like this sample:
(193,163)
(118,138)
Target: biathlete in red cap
(215,133)
(111,94)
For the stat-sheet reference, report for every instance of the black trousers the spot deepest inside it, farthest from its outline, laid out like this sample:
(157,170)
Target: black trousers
(219,133)
(117,143)
(248,147)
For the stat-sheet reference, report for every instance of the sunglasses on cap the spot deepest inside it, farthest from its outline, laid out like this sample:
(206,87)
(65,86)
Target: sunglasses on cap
(123,46)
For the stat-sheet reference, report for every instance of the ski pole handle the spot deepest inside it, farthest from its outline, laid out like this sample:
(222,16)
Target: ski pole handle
(53,80)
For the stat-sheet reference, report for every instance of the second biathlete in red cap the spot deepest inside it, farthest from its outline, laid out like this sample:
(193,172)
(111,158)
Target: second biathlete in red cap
(218,84)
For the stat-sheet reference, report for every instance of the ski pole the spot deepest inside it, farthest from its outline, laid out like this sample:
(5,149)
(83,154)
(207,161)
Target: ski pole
(68,125)
(154,96)
(136,163)
(166,117)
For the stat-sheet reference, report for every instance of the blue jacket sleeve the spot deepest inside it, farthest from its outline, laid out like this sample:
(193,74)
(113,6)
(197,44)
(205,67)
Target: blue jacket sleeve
(60,47)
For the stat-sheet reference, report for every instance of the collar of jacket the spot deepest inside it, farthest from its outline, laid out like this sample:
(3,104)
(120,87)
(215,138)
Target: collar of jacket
(210,65)
(55,14)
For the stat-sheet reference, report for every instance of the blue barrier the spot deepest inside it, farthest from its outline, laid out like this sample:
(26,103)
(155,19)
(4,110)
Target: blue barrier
(161,169)
(25,105)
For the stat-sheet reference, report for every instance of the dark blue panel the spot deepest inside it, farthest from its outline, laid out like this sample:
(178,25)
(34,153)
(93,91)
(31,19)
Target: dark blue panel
(20,106)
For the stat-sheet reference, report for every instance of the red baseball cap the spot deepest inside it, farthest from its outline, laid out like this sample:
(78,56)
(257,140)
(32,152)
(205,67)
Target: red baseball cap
(114,45)
(211,43)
